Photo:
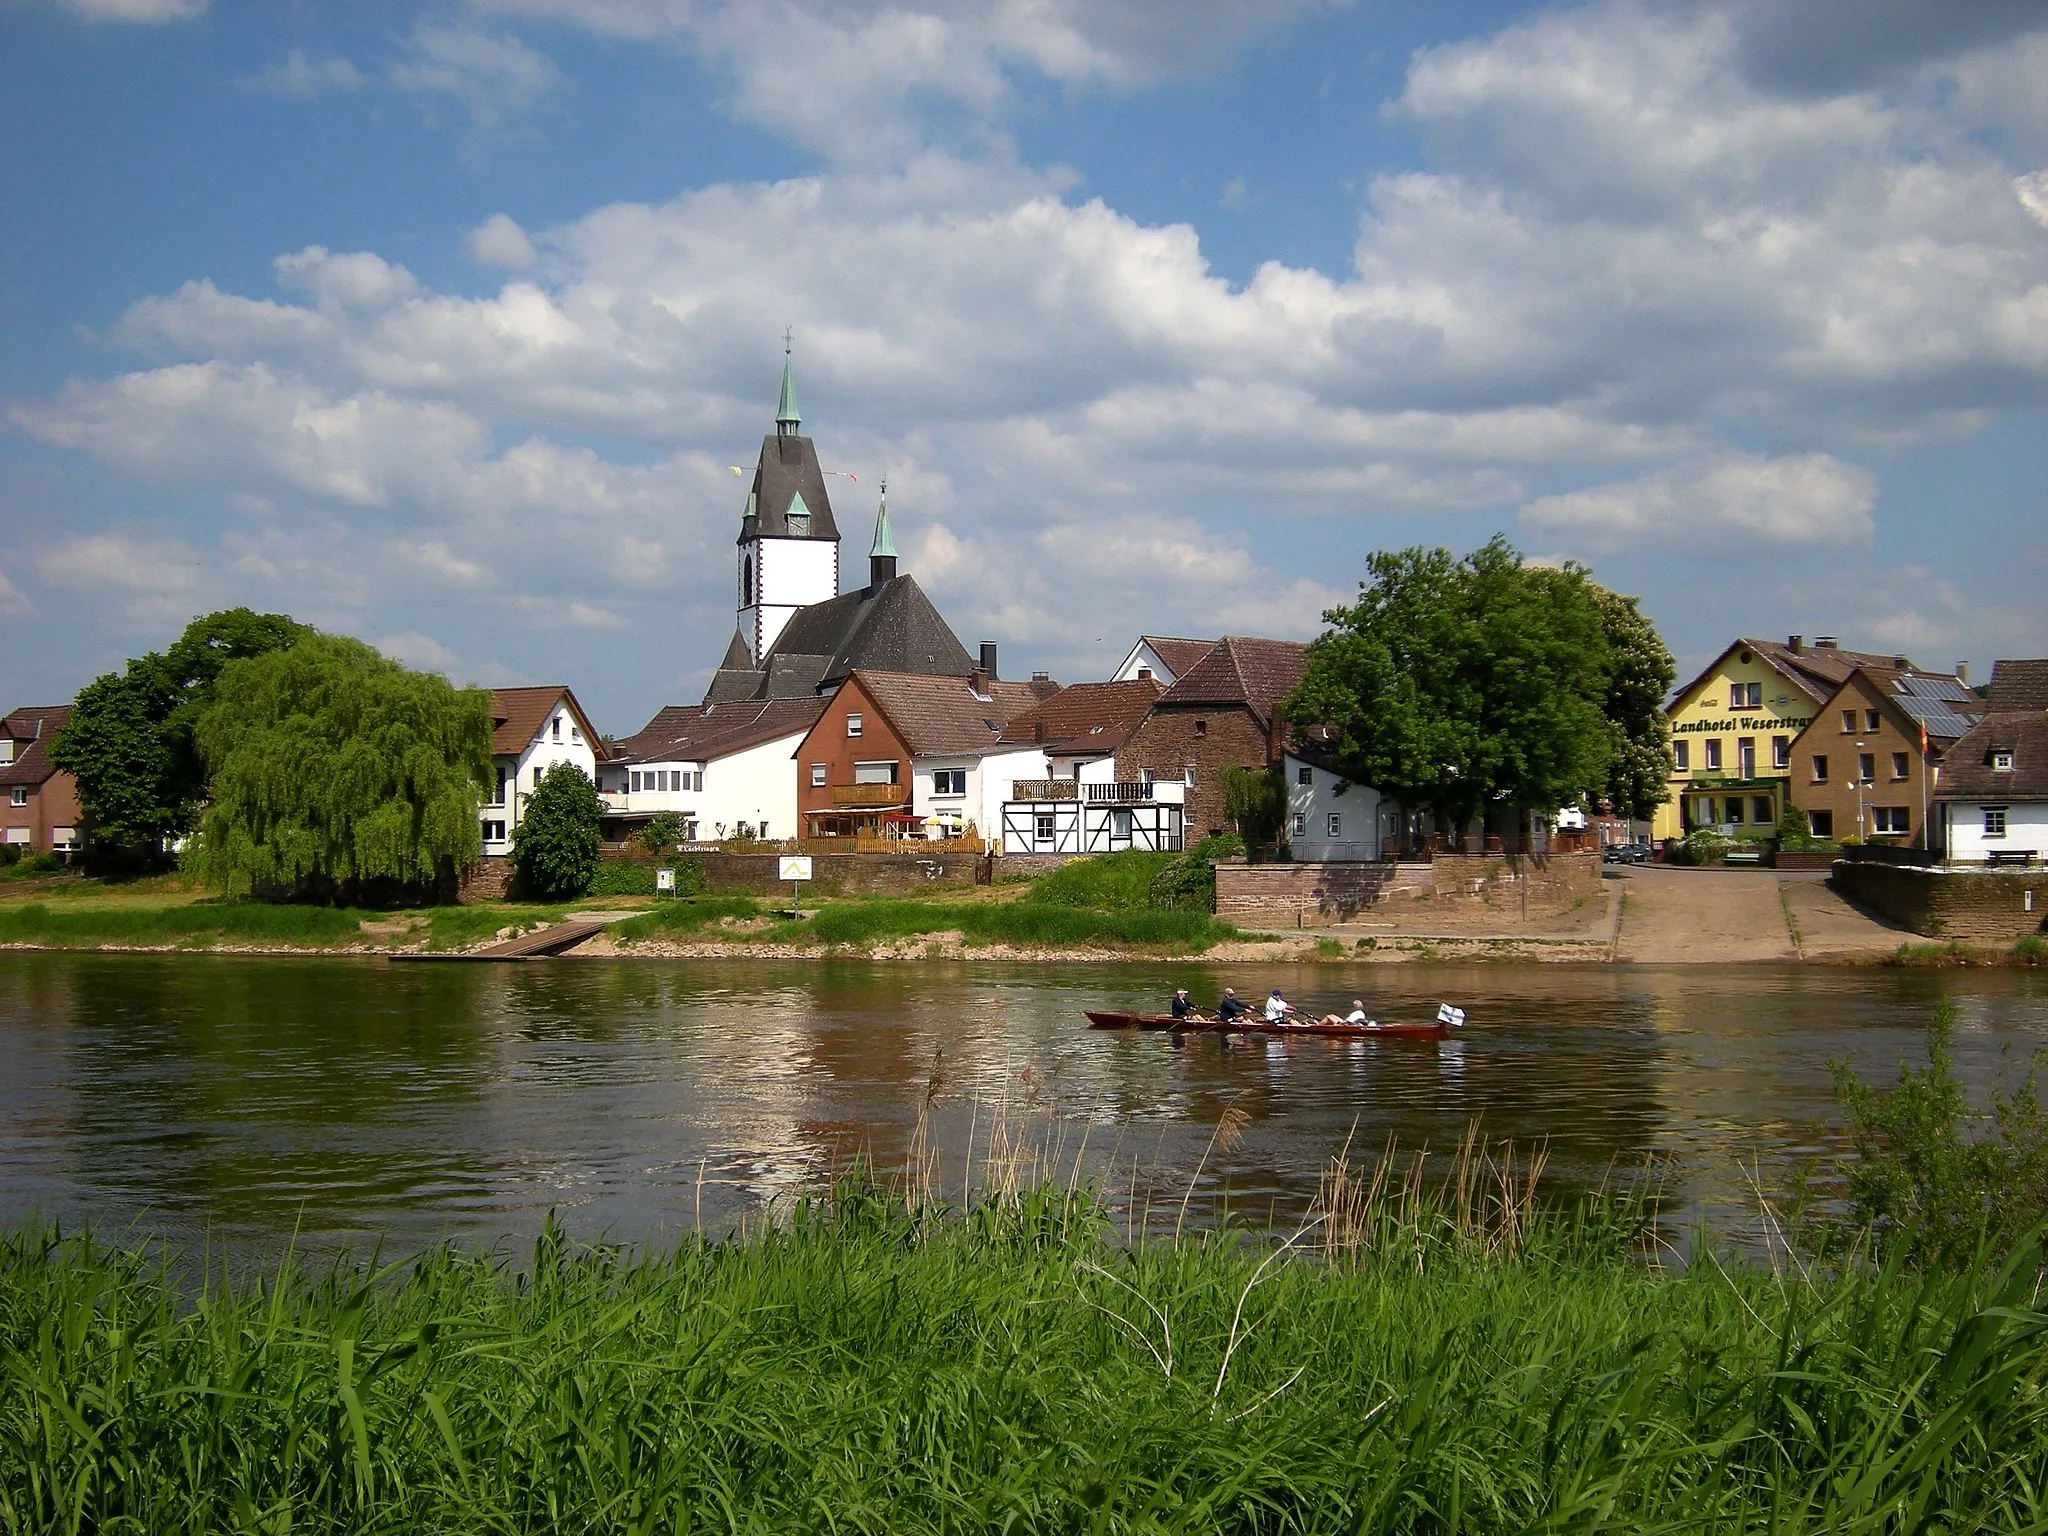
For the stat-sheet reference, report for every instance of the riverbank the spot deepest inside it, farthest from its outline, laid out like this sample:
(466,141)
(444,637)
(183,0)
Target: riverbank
(860,1366)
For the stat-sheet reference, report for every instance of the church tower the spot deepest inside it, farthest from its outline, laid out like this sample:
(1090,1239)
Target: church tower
(788,544)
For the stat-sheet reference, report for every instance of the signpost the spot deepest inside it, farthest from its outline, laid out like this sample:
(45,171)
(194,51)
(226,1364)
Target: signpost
(664,882)
(795,868)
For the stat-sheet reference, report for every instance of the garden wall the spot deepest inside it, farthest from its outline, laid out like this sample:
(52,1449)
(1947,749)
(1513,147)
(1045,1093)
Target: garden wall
(1317,895)
(1950,903)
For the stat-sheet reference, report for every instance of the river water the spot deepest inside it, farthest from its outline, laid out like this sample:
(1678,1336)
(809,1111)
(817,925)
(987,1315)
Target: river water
(231,1102)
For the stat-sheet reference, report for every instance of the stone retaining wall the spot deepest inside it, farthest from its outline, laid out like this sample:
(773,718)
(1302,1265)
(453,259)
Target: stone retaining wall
(838,874)
(1951,903)
(1319,895)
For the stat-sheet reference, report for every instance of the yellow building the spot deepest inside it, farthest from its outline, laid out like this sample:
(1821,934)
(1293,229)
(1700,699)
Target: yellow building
(1732,729)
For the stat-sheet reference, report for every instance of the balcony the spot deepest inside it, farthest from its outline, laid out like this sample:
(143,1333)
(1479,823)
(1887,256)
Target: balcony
(867,796)
(1163,792)
(1044,789)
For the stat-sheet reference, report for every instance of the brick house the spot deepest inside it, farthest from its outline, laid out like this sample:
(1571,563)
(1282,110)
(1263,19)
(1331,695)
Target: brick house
(38,800)
(1868,763)
(1222,713)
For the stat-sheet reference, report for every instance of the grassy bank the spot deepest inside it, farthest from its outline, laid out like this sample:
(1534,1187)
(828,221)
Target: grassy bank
(182,923)
(862,924)
(864,1369)
(2032,950)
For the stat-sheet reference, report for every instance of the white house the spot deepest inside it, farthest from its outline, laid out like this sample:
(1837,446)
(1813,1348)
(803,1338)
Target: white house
(726,770)
(1164,658)
(532,729)
(1991,799)
(1331,820)
(1074,804)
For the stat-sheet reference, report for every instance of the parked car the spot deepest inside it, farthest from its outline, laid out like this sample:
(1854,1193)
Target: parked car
(1626,853)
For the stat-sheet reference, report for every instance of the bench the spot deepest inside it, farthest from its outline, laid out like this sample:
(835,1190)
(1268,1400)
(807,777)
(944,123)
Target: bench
(1742,856)
(1996,856)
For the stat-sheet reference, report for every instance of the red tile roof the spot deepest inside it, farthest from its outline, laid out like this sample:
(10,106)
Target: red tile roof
(1967,774)
(945,716)
(2018,685)
(1179,653)
(518,715)
(1242,669)
(702,733)
(32,728)
(1095,717)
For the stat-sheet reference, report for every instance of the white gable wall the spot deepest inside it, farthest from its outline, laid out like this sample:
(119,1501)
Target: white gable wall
(1965,841)
(560,740)
(1142,658)
(1325,827)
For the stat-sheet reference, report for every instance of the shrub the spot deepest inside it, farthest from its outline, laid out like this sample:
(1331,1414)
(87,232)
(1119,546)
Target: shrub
(555,845)
(635,877)
(1188,883)
(1105,882)
(663,831)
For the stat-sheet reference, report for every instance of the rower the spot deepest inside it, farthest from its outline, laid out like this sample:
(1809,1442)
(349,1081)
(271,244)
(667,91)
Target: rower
(1278,1009)
(1183,1009)
(1231,1008)
(1357,1016)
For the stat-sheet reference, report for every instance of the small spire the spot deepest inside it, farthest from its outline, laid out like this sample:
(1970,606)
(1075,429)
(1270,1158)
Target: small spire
(883,545)
(786,418)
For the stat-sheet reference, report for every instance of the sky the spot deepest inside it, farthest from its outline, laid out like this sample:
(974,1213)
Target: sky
(442,325)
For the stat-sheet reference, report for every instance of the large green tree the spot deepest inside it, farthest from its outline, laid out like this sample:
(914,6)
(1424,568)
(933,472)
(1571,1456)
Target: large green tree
(1455,685)
(131,741)
(1640,679)
(556,844)
(336,771)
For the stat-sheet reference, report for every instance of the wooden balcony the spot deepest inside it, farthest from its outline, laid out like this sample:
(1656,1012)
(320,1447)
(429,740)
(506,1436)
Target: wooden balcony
(1044,789)
(863,796)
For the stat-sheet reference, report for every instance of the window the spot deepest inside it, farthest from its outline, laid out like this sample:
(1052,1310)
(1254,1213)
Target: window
(1714,754)
(2001,761)
(557,731)
(494,831)
(19,795)
(1144,776)
(1866,766)
(1889,818)
(1732,811)
(1745,756)
(1781,752)
(536,778)
(853,724)
(1848,722)
(575,733)
(1745,695)
(1760,810)
(1820,768)
(498,794)
(1187,776)
(1201,727)
(1871,720)
(817,775)
(1681,756)
(1994,821)
(1120,826)
(1898,765)
(636,784)
(949,781)
(1822,823)
(690,830)
(1300,824)
(1305,777)
(1144,674)
(1336,828)
(874,773)
(1041,827)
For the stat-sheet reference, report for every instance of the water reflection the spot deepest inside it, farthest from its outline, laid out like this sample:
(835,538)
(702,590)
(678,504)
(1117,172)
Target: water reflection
(240,1098)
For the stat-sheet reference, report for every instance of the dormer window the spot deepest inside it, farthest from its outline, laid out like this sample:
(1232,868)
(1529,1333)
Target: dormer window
(2001,760)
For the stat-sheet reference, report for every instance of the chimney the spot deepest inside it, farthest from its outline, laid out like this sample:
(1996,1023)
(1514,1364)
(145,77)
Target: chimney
(988,660)
(1795,643)
(1824,642)
(1963,672)
(1902,663)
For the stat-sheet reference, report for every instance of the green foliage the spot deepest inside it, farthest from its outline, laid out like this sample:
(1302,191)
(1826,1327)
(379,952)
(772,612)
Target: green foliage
(1641,677)
(1794,832)
(663,831)
(1103,882)
(1699,846)
(1021,923)
(635,877)
(1255,800)
(683,919)
(555,845)
(860,1367)
(18,863)
(1935,1180)
(335,770)
(1188,883)
(195,925)
(1224,845)
(132,739)
(1453,685)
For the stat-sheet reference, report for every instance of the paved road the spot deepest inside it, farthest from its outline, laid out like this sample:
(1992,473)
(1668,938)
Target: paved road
(1699,916)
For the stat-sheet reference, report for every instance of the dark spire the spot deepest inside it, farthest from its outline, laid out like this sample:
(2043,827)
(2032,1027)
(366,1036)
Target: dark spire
(786,418)
(882,553)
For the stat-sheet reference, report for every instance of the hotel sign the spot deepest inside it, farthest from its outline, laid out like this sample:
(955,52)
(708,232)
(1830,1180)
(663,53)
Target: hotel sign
(1746,723)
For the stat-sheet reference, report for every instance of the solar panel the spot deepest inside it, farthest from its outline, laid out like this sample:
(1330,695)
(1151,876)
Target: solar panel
(1931,701)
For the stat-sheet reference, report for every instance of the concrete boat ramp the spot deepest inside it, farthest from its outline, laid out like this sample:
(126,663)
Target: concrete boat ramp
(551,940)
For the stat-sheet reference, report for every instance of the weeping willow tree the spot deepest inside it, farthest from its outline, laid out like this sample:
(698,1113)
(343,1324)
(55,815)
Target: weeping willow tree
(332,769)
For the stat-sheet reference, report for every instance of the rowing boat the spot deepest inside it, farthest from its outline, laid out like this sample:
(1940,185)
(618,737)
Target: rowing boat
(1433,1030)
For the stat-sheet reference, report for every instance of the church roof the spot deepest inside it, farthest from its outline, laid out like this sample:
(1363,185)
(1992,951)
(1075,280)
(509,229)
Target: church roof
(892,627)
(788,470)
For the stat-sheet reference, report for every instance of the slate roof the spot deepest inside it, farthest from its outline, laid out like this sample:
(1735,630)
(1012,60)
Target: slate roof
(1242,669)
(1179,654)
(2019,685)
(946,716)
(1967,774)
(697,733)
(517,715)
(33,728)
(891,627)
(1091,717)
(788,468)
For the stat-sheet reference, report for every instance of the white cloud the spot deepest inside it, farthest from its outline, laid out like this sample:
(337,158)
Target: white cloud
(1806,498)
(493,76)
(150,13)
(358,279)
(2032,191)
(136,585)
(422,652)
(500,242)
(297,75)
(13,604)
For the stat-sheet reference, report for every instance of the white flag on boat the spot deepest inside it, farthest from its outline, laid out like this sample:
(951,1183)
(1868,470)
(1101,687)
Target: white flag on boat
(1446,1014)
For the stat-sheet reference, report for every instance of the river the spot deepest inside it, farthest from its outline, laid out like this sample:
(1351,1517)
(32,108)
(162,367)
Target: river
(231,1102)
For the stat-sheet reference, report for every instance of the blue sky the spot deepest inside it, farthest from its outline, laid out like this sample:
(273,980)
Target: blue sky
(439,325)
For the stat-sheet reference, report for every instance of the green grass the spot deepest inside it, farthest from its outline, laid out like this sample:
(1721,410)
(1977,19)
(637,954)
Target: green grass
(860,1369)
(193,923)
(860,924)
(1108,882)
(684,918)
(2031,950)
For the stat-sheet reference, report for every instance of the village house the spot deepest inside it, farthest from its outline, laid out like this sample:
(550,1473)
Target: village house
(1867,765)
(1331,819)
(902,755)
(1074,803)
(1161,658)
(38,801)
(532,729)
(1222,713)
(1732,729)
(1991,800)
(725,770)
